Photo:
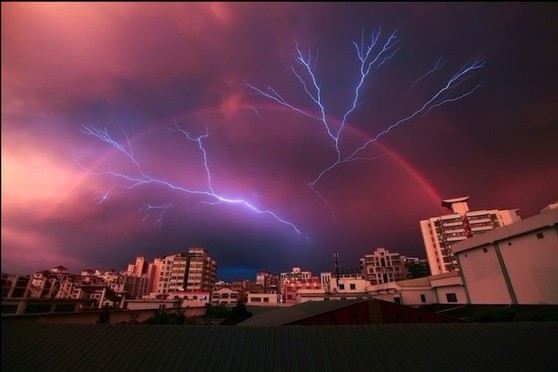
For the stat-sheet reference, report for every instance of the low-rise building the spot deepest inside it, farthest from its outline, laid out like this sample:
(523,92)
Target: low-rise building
(515,264)
(225,296)
(262,299)
(446,288)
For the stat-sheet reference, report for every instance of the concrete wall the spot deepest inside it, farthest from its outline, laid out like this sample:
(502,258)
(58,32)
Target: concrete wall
(532,266)
(412,296)
(483,276)
(91,317)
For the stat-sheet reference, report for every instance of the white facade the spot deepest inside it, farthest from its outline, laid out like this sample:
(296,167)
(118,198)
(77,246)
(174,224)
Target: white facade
(262,299)
(348,283)
(202,270)
(192,271)
(225,296)
(296,275)
(449,288)
(154,275)
(349,287)
(516,264)
(173,274)
(440,233)
(191,299)
(141,266)
(446,288)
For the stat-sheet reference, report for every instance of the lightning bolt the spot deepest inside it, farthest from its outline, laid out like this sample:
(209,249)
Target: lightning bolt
(103,198)
(141,178)
(372,54)
(439,64)
(163,208)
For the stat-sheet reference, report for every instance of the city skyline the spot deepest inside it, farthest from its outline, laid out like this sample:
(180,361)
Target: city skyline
(145,129)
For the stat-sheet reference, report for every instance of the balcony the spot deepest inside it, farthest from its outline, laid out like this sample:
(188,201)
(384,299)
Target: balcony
(482,228)
(452,224)
(455,238)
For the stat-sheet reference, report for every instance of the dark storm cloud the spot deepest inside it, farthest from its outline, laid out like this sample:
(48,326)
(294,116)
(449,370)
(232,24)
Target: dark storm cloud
(140,68)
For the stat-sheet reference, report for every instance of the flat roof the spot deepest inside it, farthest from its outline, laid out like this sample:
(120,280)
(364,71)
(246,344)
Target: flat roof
(533,223)
(448,202)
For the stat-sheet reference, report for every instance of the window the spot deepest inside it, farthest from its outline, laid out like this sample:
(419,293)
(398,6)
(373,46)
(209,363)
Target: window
(397,300)
(422,298)
(353,286)
(540,235)
(341,286)
(37,308)
(451,297)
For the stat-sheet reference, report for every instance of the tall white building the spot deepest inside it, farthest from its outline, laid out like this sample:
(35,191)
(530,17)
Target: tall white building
(440,233)
(192,271)
(138,268)
(202,271)
(154,274)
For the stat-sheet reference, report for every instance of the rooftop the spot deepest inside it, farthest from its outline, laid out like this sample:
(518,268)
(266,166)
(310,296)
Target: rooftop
(547,219)
(385,347)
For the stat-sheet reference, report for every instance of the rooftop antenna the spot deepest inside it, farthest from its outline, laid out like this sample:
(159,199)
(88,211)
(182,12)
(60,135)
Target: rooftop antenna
(336,260)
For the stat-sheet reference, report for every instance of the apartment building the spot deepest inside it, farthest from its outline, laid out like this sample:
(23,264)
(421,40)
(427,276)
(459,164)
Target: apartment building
(382,266)
(267,280)
(441,232)
(192,271)
(154,275)
(292,281)
(225,296)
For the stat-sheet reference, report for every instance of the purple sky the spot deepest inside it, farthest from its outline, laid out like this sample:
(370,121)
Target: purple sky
(138,69)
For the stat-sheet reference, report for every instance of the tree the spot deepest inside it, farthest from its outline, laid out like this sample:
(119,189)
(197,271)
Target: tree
(104,317)
(239,313)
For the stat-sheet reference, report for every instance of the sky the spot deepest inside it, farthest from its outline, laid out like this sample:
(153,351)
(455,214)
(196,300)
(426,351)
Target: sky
(270,134)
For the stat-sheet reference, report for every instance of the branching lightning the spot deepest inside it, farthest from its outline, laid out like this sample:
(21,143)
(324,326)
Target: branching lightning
(140,177)
(372,55)
(439,64)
